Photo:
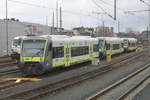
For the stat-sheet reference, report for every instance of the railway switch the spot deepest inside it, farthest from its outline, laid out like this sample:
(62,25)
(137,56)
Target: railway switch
(18,80)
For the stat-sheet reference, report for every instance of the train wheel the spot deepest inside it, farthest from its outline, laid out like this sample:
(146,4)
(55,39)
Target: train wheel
(26,71)
(38,70)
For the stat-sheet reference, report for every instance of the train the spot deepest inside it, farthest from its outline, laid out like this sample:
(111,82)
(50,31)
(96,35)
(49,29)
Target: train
(115,45)
(15,48)
(39,54)
(129,44)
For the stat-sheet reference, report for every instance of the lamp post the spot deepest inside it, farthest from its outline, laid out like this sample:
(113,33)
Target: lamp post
(6,27)
(114,9)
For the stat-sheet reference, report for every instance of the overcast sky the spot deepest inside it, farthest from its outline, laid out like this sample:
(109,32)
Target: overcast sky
(78,12)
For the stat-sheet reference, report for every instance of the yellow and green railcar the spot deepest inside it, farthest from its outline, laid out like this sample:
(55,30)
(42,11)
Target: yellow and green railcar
(43,53)
(110,46)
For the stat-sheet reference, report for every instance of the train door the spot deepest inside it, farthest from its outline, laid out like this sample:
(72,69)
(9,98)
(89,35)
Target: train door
(90,49)
(67,54)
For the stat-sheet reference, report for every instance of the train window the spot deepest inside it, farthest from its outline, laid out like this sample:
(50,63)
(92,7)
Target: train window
(58,52)
(133,44)
(107,46)
(95,48)
(50,47)
(61,43)
(78,51)
(125,41)
(101,44)
(80,43)
(34,48)
(122,44)
(116,46)
(16,42)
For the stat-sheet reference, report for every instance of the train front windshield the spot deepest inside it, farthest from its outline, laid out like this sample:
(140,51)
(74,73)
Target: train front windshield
(33,48)
(101,43)
(16,42)
(126,42)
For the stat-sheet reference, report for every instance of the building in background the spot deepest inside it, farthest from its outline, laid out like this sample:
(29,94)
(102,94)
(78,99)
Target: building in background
(144,37)
(82,31)
(18,28)
(104,32)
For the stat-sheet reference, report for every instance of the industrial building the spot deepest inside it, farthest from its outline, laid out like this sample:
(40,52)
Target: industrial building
(105,31)
(18,28)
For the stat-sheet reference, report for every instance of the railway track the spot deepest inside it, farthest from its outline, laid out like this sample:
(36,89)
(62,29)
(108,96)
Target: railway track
(121,89)
(3,65)
(9,71)
(7,84)
(7,66)
(6,61)
(62,84)
(2,57)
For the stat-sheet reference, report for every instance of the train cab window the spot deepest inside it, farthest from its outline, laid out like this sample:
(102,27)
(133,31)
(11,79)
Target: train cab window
(107,46)
(33,48)
(101,43)
(125,42)
(16,42)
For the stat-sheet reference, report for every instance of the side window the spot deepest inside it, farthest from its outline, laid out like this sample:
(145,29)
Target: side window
(101,44)
(95,48)
(129,44)
(58,52)
(107,46)
(122,45)
(116,46)
(50,47)
(78,51)
(19,42)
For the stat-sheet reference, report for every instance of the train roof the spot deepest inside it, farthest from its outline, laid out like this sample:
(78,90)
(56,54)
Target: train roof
(55,36)
(62,37)
(110,38)
(82,36)
(20,37)
(76,38)
(130,39)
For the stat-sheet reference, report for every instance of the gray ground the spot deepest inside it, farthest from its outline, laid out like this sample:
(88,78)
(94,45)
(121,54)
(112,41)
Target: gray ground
(81,91)
(144,94)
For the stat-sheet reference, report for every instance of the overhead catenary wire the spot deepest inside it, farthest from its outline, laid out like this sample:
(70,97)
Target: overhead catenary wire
(102,9)
(112,5)
(123,10)
(138,11)
(145,2)
(40,6)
